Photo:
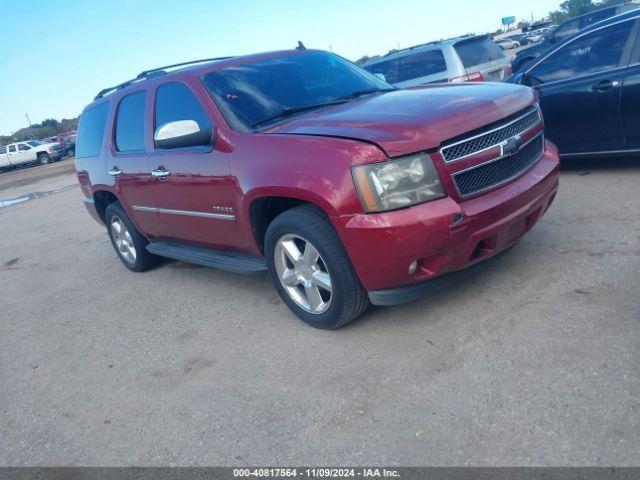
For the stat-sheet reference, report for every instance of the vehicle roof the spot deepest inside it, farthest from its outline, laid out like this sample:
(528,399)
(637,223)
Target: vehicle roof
(421,47)
(195,68)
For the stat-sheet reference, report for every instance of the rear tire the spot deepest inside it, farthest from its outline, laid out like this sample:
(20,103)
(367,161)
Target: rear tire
(129,244)
(43,158)
(311,270)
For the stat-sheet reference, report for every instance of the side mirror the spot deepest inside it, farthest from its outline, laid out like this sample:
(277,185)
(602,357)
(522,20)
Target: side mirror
(182,134)
(381,76)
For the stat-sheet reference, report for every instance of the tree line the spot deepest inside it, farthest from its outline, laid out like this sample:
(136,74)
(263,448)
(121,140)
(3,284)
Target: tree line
(47,128)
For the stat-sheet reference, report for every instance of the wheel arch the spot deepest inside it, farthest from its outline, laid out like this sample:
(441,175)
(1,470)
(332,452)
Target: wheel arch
(263,206)
(102,199)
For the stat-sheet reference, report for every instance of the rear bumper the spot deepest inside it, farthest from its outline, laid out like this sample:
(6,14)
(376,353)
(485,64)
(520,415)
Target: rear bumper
(444,235)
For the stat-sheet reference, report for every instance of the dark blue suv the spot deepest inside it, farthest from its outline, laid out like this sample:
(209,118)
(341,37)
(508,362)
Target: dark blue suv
(564,31)
(589,87)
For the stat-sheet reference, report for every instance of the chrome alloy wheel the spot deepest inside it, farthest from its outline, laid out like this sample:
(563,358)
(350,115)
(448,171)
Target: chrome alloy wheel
(122,239)
(303,273)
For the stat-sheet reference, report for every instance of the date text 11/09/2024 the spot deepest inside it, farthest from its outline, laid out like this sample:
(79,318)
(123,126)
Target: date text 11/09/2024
(324,472)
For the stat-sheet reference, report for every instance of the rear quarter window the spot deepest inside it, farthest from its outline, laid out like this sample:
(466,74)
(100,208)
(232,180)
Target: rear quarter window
(91,131)
(477,51)
(410,66)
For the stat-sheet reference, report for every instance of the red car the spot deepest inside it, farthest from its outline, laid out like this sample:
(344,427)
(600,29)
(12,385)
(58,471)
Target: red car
(299,163)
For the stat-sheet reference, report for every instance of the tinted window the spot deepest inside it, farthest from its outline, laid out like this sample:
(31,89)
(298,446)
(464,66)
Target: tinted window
(175,101)
(594,52)
(33,143)
(23,147)
(251,92)
(597,16)
(130,123)
(411,66)
(12,148)
(91,130)
(477,51)
(3,149)
(567,29)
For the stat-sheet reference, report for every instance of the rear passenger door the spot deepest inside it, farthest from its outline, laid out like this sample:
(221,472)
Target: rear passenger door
(4,158)
(13,154)
(580,85)
(25,153)
(195,195)
(129,162)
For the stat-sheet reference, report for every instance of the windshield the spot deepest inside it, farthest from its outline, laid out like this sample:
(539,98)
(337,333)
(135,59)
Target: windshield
(252,92)
(33,143)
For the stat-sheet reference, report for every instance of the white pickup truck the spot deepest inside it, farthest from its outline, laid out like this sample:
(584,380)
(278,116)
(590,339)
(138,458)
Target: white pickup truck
(29,152)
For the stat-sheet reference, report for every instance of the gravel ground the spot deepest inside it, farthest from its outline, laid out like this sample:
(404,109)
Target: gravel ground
(531,359)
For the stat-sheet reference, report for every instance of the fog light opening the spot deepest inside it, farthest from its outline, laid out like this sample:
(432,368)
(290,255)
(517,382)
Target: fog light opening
(413,267)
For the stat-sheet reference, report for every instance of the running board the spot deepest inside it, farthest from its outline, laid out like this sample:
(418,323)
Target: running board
(229,261)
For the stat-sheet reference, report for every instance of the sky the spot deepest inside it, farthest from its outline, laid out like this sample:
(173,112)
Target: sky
(55,55)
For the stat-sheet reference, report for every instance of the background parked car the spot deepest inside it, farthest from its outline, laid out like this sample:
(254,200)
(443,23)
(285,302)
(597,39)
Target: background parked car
(589,88)
(28,152)
(565,30)
(461,59)
(68,141)
(508,44)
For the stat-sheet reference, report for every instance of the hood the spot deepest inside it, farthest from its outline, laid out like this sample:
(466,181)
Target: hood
(406,121)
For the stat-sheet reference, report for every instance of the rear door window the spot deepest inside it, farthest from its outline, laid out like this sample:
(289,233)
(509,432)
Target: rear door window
(91,131)
(479,50)
(12,148)
(3,149)
(405,68)
(130,123)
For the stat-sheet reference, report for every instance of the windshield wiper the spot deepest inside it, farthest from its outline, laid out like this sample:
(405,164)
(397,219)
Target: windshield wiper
(287,111)
(359,93)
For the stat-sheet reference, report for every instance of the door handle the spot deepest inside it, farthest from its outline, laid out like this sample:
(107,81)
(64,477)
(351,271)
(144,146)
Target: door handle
(605,85)
(161,172)
(114,171)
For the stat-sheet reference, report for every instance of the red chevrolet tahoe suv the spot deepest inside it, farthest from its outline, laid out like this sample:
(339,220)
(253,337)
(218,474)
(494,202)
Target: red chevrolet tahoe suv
(299,163)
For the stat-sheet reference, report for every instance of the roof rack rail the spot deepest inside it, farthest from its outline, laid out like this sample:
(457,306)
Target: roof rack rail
(154,72)
(433,42)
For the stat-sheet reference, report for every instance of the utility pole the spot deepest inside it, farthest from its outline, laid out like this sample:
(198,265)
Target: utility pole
(28,119)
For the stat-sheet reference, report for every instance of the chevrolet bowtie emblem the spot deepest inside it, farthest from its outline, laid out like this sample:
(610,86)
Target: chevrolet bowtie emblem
(510,146)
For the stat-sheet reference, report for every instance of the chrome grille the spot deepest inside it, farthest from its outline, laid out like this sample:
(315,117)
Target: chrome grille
(491,138)
(492,174)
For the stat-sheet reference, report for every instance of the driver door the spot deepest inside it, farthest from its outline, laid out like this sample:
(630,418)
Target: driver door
(580,88)
(195,194)
(24,153)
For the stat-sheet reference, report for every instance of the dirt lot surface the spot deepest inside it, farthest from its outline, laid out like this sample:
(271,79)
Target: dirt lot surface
(531,359)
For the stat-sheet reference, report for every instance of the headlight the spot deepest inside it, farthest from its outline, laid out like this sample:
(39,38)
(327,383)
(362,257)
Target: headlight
(397,183)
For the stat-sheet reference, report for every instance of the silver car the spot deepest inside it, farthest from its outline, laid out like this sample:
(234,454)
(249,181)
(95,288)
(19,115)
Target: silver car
(462,59)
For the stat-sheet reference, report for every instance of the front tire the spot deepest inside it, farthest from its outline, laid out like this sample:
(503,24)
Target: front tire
(127,241)
(311,269)
(43,158)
